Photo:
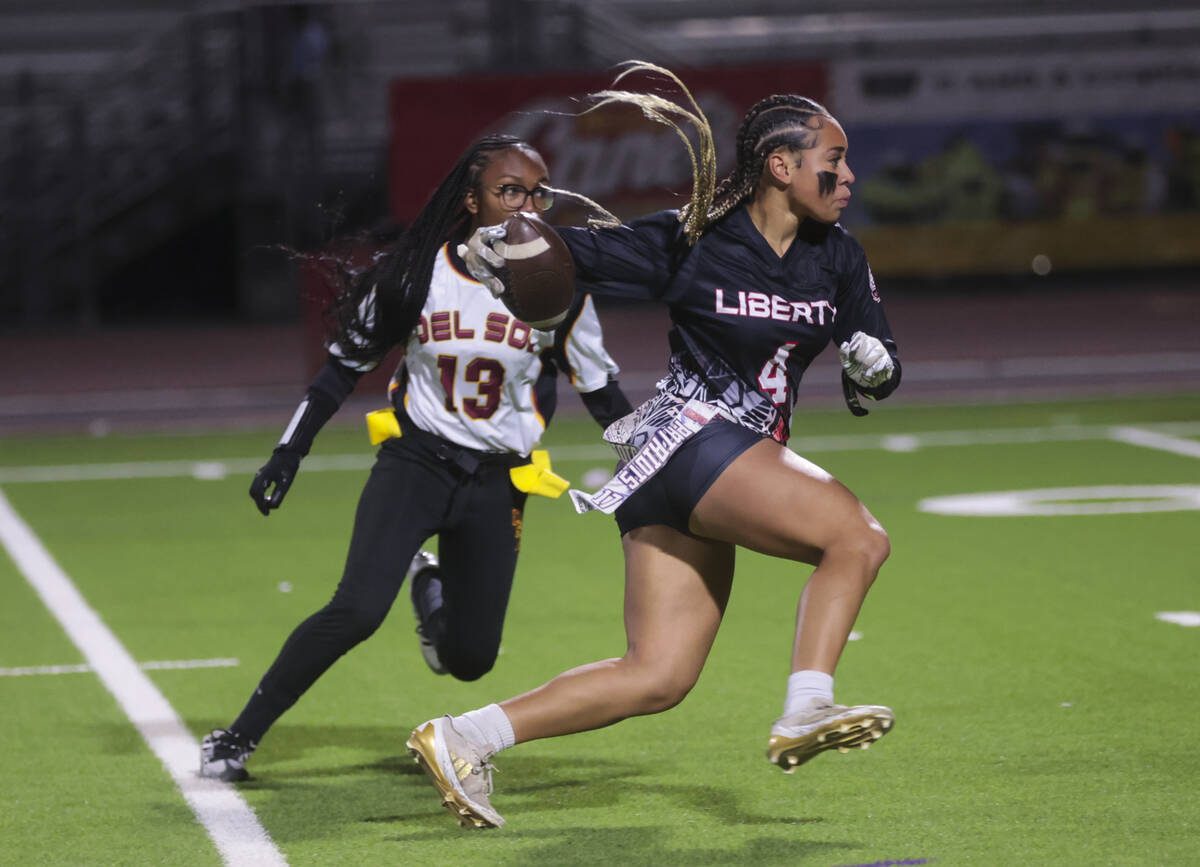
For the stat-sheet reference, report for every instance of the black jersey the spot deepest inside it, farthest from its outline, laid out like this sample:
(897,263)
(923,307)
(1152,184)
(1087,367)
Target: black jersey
(746,322)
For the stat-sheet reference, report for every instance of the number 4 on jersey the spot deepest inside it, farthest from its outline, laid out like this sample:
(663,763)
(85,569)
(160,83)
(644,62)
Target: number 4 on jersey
(772,379)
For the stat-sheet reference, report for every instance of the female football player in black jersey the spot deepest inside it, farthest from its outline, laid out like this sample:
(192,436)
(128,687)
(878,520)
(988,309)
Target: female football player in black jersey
(758,277)
(472,398)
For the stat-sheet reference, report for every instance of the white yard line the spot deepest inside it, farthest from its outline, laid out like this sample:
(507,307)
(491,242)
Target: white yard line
(1154,436)
(225,815)
(214,469)
(1138,436)
(1051,367)
(115,401)
(83,668)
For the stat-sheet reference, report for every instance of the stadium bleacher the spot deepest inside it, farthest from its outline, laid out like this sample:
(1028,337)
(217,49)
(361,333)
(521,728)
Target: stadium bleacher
(123,124)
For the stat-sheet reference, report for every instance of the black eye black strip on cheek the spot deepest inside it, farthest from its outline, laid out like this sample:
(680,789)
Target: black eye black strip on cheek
(827,182)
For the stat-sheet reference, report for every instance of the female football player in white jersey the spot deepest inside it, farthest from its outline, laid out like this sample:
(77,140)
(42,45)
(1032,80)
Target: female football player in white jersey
(758,277)
(472,397)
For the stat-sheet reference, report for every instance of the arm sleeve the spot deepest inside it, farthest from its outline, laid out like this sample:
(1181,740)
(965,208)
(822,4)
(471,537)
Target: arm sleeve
(633,260)
(589,366)
(607,403)
(356,341)
(328,391)
(861,309)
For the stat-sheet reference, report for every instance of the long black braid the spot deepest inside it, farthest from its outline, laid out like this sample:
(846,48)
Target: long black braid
(782,120)
(378,308)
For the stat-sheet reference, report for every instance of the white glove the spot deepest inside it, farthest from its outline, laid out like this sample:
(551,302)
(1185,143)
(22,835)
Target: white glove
(481,260)
(866,360)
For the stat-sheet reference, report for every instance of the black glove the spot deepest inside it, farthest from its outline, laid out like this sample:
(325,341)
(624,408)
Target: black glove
(280,471)
(331,386)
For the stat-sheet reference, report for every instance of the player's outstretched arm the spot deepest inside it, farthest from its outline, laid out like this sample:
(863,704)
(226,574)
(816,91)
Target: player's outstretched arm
(635,260)
(331,386)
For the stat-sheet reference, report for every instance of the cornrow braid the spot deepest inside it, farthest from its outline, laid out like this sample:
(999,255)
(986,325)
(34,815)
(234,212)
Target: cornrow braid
(376,308)
(782,120)
(665,111)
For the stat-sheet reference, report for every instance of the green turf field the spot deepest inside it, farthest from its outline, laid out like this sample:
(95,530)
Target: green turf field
(1044,714)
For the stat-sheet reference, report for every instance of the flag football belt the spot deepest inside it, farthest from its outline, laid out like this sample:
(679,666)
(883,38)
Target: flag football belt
(641,465)
(534,477)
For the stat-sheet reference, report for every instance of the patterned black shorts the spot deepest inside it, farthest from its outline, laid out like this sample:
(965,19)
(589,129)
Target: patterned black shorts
(669,497)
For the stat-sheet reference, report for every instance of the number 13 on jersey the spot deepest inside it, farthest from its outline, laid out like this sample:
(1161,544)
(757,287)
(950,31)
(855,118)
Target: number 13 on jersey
(487,374)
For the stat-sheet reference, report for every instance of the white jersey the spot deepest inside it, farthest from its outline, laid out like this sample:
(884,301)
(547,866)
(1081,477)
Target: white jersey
(472,366)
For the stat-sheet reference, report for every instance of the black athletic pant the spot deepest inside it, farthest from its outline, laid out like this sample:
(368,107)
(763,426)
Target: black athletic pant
(420,486)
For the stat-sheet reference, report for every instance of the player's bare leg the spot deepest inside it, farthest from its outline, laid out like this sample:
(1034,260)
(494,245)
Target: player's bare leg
(676,589)
(773,501)
(776,502)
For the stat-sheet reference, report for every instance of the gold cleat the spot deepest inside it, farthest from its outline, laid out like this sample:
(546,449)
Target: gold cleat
(824,726)
(459,770)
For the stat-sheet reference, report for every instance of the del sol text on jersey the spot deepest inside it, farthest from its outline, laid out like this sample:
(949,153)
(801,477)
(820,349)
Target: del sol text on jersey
(443,325)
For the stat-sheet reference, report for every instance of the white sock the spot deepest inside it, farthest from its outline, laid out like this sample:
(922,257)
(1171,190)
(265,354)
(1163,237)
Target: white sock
(488,725)
(804,686)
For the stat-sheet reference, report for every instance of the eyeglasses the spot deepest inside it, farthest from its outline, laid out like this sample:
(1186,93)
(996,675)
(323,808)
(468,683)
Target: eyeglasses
(514,196)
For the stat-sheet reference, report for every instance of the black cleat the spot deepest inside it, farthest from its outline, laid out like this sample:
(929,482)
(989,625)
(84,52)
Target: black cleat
(425,588)
(223,756)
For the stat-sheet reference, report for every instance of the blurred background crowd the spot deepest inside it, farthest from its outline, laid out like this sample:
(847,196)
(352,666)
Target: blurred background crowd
(158,158)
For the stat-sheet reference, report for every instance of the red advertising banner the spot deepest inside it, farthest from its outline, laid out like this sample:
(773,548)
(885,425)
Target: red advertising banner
(625,162)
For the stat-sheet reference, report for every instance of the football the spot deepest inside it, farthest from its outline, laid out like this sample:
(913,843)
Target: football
(538,275)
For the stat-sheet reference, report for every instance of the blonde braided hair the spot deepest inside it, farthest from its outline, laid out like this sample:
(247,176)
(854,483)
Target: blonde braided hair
(662,110)
(781,120)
